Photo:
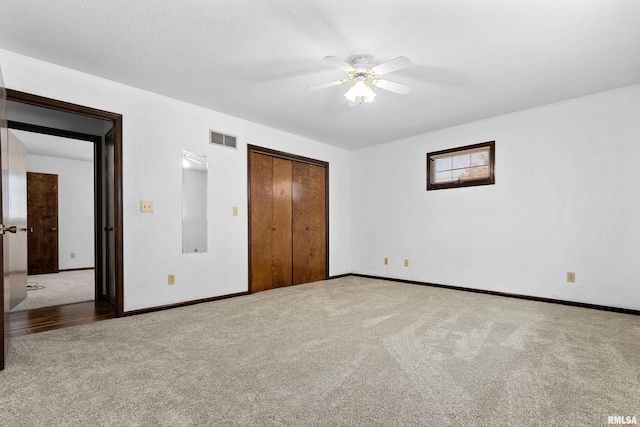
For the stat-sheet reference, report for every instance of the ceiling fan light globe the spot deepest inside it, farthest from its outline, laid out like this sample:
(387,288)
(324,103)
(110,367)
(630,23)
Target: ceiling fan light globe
(360,88)
(370,95)
(351,94)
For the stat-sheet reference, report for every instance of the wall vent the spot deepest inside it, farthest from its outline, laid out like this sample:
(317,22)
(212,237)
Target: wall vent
(217,138)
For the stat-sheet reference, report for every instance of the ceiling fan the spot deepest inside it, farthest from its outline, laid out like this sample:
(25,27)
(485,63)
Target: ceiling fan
(363,77)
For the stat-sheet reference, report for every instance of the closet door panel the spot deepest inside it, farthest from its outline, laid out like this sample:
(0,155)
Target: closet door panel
(316,215)
(301,243)
(309,233)
(282,227)
(261,222)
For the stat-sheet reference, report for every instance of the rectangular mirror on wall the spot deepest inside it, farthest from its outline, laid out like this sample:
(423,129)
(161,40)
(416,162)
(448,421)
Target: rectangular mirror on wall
(194,203)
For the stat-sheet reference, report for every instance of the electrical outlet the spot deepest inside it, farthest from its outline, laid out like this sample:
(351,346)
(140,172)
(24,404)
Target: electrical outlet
(235,211)
(172,279)
(73,255)
(146,207)
(406,263)
(386,261)
(571,276)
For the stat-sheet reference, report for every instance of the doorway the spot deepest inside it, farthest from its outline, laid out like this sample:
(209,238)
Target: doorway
(108,212)
(63,199)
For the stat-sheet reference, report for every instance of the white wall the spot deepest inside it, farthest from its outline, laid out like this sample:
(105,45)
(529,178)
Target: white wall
(75,208)
(156,130)
(566,198)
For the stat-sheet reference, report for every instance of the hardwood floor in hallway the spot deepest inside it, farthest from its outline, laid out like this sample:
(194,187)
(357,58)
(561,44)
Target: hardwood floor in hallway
(61,316)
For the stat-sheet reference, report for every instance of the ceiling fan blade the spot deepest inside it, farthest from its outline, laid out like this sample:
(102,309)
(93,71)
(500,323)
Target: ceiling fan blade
(339,63)
(392,65)
(393,87)
(326,85)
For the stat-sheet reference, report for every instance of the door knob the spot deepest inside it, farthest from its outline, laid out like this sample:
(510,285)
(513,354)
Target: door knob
(27,229)
(11,229)
(108,229)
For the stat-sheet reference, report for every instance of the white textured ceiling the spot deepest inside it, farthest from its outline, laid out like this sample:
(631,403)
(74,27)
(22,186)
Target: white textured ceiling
(55,146)
(253,59)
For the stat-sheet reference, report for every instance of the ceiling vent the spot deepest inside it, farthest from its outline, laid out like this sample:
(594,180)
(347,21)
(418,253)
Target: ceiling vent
(217,138)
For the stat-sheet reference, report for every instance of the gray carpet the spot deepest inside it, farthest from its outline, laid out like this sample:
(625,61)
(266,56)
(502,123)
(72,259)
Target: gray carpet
(66,287)
(349,351)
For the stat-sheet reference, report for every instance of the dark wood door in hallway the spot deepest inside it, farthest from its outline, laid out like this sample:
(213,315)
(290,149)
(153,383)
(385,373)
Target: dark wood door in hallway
(42,222)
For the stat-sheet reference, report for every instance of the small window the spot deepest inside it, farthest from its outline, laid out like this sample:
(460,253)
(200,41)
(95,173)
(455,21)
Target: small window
(462,166)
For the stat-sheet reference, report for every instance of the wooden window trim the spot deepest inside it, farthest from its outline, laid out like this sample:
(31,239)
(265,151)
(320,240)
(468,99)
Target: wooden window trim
(488,181)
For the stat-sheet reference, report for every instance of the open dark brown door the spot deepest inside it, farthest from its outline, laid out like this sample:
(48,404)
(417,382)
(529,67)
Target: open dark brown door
(15,217)
(42,220)
(4,291)
(13,209)
(109,218)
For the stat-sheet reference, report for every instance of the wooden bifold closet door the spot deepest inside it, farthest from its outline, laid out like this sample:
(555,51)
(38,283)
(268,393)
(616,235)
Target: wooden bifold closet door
(309,245)
(288,223)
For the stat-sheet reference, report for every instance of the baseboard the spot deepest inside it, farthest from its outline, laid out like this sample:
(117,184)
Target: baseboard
(411,282)
(77,269)
(181,304)
(198,301)
(508,295)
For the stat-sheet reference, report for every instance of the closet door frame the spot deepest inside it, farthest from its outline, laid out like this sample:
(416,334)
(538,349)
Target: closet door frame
(295,158)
